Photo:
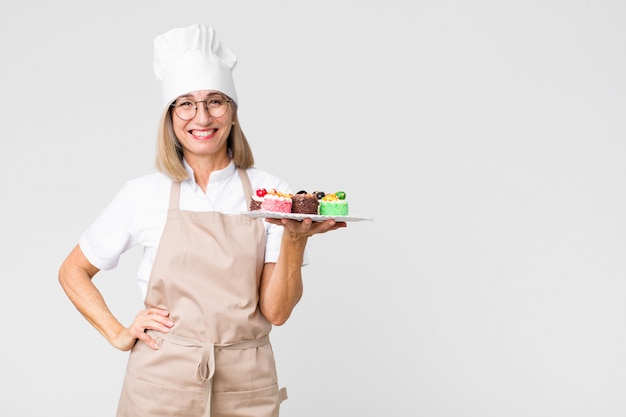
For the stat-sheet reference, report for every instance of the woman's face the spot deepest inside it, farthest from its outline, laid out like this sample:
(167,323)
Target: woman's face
(203,134)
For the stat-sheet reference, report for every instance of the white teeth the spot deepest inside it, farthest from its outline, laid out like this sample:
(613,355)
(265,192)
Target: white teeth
(202,133)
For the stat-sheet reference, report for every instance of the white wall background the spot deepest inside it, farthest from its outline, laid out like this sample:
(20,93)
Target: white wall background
(487,139)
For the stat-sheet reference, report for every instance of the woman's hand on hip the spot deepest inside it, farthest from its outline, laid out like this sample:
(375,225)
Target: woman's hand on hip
(149,319)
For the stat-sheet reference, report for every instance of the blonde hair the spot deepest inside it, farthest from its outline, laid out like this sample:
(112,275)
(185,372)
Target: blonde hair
(169,158)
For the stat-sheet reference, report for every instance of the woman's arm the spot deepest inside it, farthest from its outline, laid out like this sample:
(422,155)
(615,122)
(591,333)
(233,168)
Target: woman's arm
(75,276)
(281,283)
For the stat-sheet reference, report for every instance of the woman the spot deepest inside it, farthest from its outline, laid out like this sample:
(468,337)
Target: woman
(214,282)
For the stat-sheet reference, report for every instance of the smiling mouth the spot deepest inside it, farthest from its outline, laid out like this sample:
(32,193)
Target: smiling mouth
(203,134)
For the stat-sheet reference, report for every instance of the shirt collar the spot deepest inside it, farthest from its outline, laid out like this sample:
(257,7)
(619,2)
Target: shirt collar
(216,176)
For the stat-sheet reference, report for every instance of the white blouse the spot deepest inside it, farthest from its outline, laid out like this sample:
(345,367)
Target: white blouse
(137,215)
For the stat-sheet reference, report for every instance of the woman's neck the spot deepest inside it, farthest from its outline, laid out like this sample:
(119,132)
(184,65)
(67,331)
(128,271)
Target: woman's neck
(203,167)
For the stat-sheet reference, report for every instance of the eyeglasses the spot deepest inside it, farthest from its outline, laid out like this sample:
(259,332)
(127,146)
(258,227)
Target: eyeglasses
(186,109)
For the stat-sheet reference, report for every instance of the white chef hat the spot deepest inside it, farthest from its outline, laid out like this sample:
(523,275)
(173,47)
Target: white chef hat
(190,59)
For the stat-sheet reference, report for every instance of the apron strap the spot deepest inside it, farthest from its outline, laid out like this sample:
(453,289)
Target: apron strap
(245,182)
(175,195)
(206,365)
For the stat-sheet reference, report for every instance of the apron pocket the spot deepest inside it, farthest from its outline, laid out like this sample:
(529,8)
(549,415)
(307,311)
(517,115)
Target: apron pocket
(161,382)
(259,402)
(158,400)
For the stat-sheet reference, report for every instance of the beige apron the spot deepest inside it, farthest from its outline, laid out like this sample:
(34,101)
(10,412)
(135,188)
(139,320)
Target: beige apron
(217,360)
